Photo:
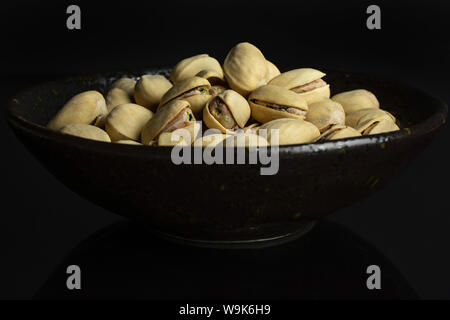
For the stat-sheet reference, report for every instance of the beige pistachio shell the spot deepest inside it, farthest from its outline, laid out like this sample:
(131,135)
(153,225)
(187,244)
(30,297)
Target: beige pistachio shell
(184,136)
(185,85)
(85,131)
(238,106)
(316,94)
(297,77)
(189,67)
(338,132)
(355,100)
(278,96)
(325,113)
(377,126)
(245,68)
(362,115)
(116,96)
(150,89)
(272,71)
(88,107)
(169,139)
(210,140)
(126,84)
(290,131)
(213,77)
(245,140)
(125,122)
(128,142)
(215,90)
(161,118)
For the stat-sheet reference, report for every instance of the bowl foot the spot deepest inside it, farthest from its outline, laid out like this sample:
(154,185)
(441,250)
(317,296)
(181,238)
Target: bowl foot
(240,244)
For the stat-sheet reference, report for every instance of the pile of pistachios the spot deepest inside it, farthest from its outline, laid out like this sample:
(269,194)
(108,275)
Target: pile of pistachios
(245,96)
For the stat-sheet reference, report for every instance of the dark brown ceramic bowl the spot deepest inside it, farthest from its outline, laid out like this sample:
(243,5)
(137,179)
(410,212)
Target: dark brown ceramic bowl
(227,204)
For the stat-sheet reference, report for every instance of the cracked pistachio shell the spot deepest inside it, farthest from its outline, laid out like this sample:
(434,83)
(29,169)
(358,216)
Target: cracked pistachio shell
(161,118)
(245,140)
(85,131)
(210,140)
(237,105)
(197,102)
(377,126)
(290,131)
(88,107)
(128,142)
(275,95)
(338,132)
(126,84)
(150,89)
(184,136)
(245,68)
(213,77)
(325,113)
(354,100)
(125,122)
(299,77)
(362,115)
(272,70)
(116,96)
(189,67)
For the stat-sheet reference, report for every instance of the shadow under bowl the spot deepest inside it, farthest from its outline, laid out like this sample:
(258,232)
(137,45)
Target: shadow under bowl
(226,204)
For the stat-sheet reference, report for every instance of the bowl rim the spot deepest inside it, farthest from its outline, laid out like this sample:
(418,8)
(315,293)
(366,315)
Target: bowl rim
(429,124)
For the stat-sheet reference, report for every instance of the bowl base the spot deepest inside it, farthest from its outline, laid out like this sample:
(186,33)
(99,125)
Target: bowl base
(240,244)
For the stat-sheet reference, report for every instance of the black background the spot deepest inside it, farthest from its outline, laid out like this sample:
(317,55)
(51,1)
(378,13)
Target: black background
(408,221)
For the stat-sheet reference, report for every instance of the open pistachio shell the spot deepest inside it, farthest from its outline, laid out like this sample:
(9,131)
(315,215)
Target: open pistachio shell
(290,131)
(150,89)
(164,118)
(362,115)
(189,67)
(307,82)
(126,84)
(85,131)
(245,68)
(125,122)
(86,108)
(338,132)
(245,140)
(272,71)
(237,114)
(171,139)
(325,113)
(377,126)
(116,96)
(213,77)
(210,140)
(184,136)
(195,90)
(355,100)
(271,102)
(128,142)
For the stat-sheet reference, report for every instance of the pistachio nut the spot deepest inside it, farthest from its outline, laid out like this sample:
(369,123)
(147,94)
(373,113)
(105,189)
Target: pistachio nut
(215,90)
(88,107)
(325,113)
(86,131)
(169,139)
(290,131)
(338,131)
(375,126)
(247,139)
(176,114)
(126,84)
(362,115)
(226,111)
(128,142)
(271,102)
(183,136)
(354,100)
(272,70)
(149,90)
(189,67)
(125,122)
(245,68)
(213,77)
(307,82)
(210,140)
(116,96)
(194,90)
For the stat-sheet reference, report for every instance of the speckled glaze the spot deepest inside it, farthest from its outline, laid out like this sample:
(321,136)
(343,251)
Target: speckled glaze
(226,202)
